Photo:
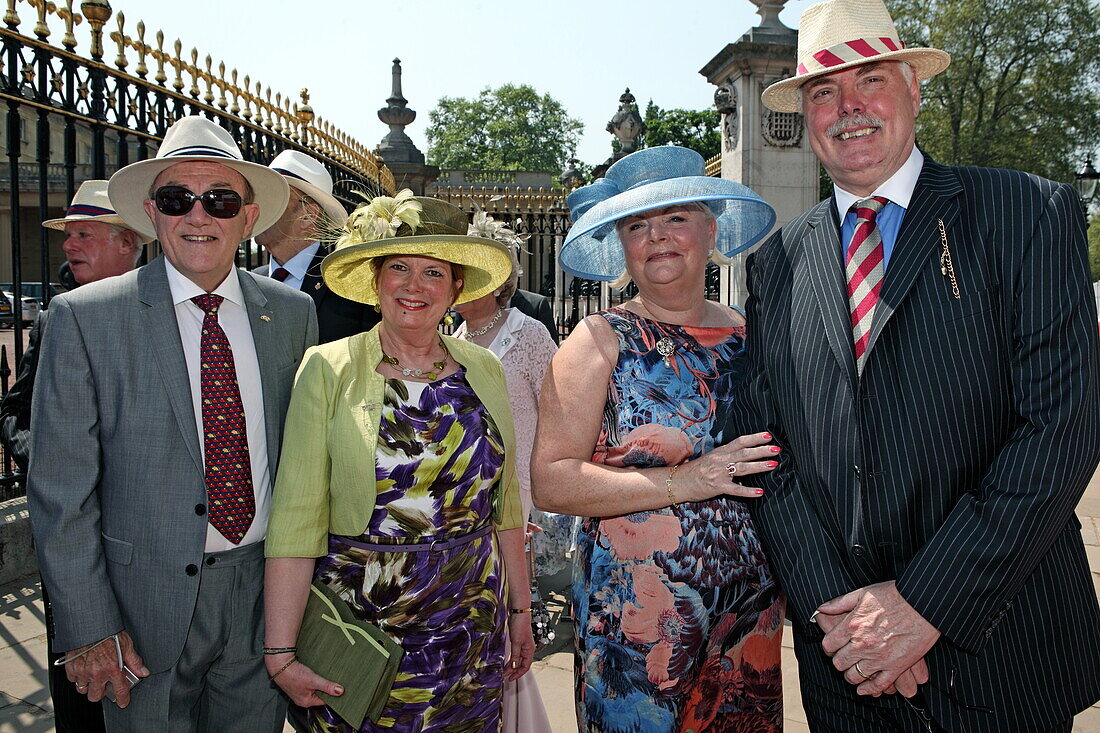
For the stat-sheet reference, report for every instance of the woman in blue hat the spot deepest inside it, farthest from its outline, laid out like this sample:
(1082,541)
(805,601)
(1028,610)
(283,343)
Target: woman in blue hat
(678,617)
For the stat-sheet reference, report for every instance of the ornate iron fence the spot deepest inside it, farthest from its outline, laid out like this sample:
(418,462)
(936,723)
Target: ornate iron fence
(67,118)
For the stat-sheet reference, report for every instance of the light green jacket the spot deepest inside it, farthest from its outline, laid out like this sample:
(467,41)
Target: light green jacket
(326,473)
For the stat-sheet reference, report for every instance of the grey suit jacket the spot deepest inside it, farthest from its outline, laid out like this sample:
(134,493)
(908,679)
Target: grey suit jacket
(116,486)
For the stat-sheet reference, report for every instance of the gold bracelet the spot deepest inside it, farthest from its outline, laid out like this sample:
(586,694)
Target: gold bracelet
(668,485)
(283,668)
(520,610)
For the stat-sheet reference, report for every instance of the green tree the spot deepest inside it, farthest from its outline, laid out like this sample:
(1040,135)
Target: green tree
(1021,91)
(511,128)
(689,128)
(1094,247)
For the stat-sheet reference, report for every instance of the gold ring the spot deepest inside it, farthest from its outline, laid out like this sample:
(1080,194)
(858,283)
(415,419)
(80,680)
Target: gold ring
(861,673)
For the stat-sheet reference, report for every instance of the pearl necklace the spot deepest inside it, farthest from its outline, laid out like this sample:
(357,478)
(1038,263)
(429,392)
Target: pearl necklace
(437,367)
(471,335)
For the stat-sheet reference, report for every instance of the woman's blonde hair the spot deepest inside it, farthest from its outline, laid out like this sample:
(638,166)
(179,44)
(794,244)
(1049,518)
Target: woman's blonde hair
(716,257)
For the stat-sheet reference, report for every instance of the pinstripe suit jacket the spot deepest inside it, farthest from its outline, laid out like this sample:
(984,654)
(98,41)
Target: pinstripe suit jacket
(954,464)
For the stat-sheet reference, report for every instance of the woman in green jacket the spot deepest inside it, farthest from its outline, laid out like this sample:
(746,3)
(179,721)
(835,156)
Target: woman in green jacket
(397,486)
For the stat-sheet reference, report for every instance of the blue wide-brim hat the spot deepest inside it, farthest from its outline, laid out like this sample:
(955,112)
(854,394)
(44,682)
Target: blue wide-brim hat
(653,179)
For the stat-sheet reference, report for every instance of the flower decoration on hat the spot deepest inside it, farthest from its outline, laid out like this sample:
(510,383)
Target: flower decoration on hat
(379,218)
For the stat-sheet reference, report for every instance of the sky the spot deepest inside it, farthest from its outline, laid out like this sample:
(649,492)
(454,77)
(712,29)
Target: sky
(583,53)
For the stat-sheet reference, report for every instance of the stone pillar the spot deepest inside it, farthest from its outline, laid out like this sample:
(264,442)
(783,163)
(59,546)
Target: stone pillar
(397,149)
(765,150)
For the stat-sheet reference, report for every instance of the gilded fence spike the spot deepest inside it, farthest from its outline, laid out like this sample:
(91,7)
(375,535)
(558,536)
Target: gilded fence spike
(270,121)
(177,62)
(98,12)
(278,111)
(209,79)
(235,108)
(222,101)
(40,28)
(66,13)
(161,77)
(141,69)
(193,69)
(296,135)
(119,37)
(247,95)
(11,18)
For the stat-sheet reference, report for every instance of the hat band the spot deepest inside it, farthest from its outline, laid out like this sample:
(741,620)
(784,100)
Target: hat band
(285,172)
(88,210)
(860,49)
(200,150)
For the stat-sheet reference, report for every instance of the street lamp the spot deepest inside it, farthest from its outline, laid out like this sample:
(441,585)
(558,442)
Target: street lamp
(1085,182)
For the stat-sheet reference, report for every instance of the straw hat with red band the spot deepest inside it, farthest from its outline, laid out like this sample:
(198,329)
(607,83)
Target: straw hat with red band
(91,204)
(839,34)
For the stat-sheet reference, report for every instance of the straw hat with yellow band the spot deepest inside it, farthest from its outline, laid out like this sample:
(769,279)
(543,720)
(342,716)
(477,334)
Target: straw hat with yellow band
(411,225)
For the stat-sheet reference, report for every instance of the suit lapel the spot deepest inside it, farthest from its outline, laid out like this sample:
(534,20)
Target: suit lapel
(826,274)
(162,330)
(934,198)
(312,283)
(265,336)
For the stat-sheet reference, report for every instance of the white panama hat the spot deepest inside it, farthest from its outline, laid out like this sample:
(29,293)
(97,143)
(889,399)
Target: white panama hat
(194,139)
(839,34)
(309,176)
(91,204)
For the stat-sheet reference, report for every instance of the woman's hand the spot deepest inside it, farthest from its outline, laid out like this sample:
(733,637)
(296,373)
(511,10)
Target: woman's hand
(299,682)
(523,646)
(716,473)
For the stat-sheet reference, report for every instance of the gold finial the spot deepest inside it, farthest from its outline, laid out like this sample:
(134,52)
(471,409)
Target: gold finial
(209,96)
(119,37)
(269,121)
(296,134)
(71,19)
(222,101)
(305,112)
(278,112)
(247,98)
(40,28)
(234,91)
(193,68)
(161,77)
(177,62)
(142,70)
(98,12)
(11,18)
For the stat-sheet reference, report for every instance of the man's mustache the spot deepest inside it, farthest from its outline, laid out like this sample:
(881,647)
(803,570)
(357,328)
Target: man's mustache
(860,119)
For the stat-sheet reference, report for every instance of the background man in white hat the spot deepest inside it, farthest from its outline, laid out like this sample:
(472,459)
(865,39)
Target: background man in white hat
(98,244)
(295,252)
(155,430)
(924,347)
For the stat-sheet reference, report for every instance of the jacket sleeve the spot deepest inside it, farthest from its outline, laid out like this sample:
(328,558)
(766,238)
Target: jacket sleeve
(15,409)
(963,579)
(805,558)
(63,486)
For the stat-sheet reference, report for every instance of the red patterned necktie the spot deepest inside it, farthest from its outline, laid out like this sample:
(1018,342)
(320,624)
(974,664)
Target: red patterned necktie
(863,265)
(225,436)
(280,274)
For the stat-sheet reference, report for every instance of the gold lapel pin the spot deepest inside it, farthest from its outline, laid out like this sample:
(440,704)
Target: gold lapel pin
(947,265)
(317,286)
(265,319)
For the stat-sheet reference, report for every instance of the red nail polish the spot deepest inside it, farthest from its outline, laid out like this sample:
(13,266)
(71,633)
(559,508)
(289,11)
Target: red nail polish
(771,464)
(759,492)
(775,449)
(767,436)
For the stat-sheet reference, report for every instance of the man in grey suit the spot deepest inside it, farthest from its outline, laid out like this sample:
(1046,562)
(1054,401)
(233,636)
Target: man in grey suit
(156,422)
(924,348)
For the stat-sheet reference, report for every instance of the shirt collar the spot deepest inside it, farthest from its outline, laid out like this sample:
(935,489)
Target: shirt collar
(184,289)
(298,265)
(898,188)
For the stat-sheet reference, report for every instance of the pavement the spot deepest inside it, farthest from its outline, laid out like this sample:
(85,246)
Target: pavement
(25,705)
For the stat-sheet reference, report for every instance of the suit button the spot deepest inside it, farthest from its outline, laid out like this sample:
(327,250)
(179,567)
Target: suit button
(192,569)
(200,509)
(858,550)
(211,560)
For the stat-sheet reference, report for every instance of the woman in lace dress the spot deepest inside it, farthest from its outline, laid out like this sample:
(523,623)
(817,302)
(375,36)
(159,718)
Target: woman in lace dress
(678,617)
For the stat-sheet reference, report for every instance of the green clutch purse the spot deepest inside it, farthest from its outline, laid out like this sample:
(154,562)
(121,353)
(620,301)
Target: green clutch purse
(355,654)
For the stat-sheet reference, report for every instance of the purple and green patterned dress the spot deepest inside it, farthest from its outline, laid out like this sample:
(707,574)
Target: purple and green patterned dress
(678,618)
(439,454)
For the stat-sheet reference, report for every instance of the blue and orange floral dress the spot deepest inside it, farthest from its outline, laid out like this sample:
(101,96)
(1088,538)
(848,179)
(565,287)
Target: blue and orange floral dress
(678,617)
(439,455)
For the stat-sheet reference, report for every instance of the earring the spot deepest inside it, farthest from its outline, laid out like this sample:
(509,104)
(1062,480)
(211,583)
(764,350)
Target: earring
(710,252)
(377,308)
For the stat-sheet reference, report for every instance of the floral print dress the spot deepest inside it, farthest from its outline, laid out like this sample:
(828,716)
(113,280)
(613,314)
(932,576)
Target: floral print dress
(439,455)
(678,617)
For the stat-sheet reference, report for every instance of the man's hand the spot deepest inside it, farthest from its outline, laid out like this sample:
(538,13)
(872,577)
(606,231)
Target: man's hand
(882,632)
(92,671)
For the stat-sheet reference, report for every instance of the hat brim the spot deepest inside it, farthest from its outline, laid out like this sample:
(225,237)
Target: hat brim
(592,249)
(59,224)
(784,96)
(335,212)
(486,263)
(129,187)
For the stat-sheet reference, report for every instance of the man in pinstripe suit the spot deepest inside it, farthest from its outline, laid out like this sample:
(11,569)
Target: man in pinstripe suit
(924,347)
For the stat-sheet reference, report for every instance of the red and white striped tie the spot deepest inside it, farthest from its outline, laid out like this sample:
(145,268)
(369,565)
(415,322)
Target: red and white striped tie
(863,265)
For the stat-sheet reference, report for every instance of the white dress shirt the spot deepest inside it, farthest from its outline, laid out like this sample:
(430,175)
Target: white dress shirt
(297,266)
(233,318)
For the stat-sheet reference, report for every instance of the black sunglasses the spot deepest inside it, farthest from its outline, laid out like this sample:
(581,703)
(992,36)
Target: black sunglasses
(220,203)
